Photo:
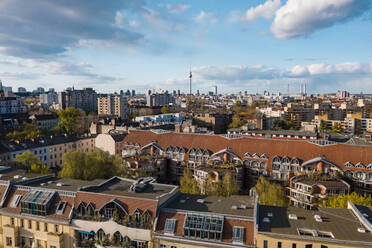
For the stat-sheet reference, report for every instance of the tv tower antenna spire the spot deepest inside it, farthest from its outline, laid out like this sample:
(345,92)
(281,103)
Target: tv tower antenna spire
(190,77)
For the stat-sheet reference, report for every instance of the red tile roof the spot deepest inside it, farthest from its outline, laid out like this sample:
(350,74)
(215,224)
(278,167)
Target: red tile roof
(303,150)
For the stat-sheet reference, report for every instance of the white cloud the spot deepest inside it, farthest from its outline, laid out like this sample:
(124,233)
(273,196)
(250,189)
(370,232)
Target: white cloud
(206,17)
(175,8)
(302,17)
(133,23)
(119,19)
(266,10)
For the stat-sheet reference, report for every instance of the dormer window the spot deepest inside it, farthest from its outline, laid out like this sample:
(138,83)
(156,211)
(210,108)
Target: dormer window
(61,207)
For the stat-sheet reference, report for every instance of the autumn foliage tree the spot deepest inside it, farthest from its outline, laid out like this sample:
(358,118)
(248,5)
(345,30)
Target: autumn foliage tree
(28,161)
(340,201)
(89,166)
(188,184)
(270,193)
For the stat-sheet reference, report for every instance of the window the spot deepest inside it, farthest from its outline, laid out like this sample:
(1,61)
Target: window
(173,246)
(294,245)
(163,246)
(238,235)
(38,243)
(45,227)
(323,246)
(37,225)
(56,228)
(309,246)
(22,223)
(266,244)
(60,207)
(279,244)
(29,224)
(9,241)
(52,246)
(169,226)
(12,221)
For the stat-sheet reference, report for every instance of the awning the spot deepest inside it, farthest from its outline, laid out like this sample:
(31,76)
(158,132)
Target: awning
(85,232)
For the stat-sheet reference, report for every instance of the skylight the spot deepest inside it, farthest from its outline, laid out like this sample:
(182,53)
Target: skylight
(238,235)
(169,226)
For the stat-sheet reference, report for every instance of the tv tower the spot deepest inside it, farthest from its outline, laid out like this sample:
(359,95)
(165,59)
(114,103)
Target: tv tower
(190,76)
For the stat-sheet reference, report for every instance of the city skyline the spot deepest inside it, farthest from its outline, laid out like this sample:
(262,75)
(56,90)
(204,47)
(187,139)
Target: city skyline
(240,46)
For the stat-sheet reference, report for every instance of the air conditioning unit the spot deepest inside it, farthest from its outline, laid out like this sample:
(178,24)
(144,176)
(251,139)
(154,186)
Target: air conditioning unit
(292,217)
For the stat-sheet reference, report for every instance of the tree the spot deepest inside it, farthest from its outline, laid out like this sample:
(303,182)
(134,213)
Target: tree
(229,186)
(323,126)
(238,103)
(284,125)
(70,120)
(340,201)
(165,110)
(134,114)
(28,131)
(90,166)
(270,194)
(188,184)
(236,121)
(336,128)
(31,163)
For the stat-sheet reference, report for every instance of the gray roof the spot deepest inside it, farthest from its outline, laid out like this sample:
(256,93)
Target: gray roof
(340,222)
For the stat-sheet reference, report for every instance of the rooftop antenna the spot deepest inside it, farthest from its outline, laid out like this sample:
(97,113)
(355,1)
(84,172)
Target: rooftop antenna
(288,89)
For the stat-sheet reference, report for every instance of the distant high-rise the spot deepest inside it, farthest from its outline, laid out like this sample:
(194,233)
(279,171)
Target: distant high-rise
(22,90)
(133,93)
(215,90)
(85,99)
(113,105)
(48,98)
(154,99)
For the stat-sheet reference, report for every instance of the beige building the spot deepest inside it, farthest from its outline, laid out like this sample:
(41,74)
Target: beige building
(60,145)
(113,105)
(110,142)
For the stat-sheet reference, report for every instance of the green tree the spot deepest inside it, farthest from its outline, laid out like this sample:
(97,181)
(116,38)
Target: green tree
(229,186)
(70,120)
(323,126)
(340,201)
(89,166)
(31,163)
(238,103)
(165,110)
(236,121)
(134,114)
(270,194)
(188,184)
(336,128)
(28,131)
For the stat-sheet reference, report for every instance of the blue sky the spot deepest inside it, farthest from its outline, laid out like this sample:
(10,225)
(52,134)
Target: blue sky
(251,45)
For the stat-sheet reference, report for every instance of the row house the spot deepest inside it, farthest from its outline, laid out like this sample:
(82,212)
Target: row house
(49,150)
(278,160)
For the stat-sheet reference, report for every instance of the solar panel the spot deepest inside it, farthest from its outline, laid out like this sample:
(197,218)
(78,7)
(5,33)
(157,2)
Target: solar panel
(169,226)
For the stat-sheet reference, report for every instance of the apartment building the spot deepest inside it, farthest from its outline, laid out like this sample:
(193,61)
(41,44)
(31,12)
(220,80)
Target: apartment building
(49,149)
(50,212)
(116,105)
(85,99)
(277,159)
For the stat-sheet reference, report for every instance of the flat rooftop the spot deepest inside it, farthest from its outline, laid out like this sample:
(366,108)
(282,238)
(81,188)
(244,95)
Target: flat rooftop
(340,222)
(17,175)
(332,183)
(122,187)
(238,205)
(67,184)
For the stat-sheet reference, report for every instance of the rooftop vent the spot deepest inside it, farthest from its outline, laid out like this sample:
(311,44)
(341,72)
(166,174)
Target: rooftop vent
(17,177)
(361,230)
(292,217)
(234,207)
(243,206)
(24,178)
(60,184)
(270,214)
(182,201)
(50,182)
(42,184)
(318,218)
(200,200)
(365,215)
